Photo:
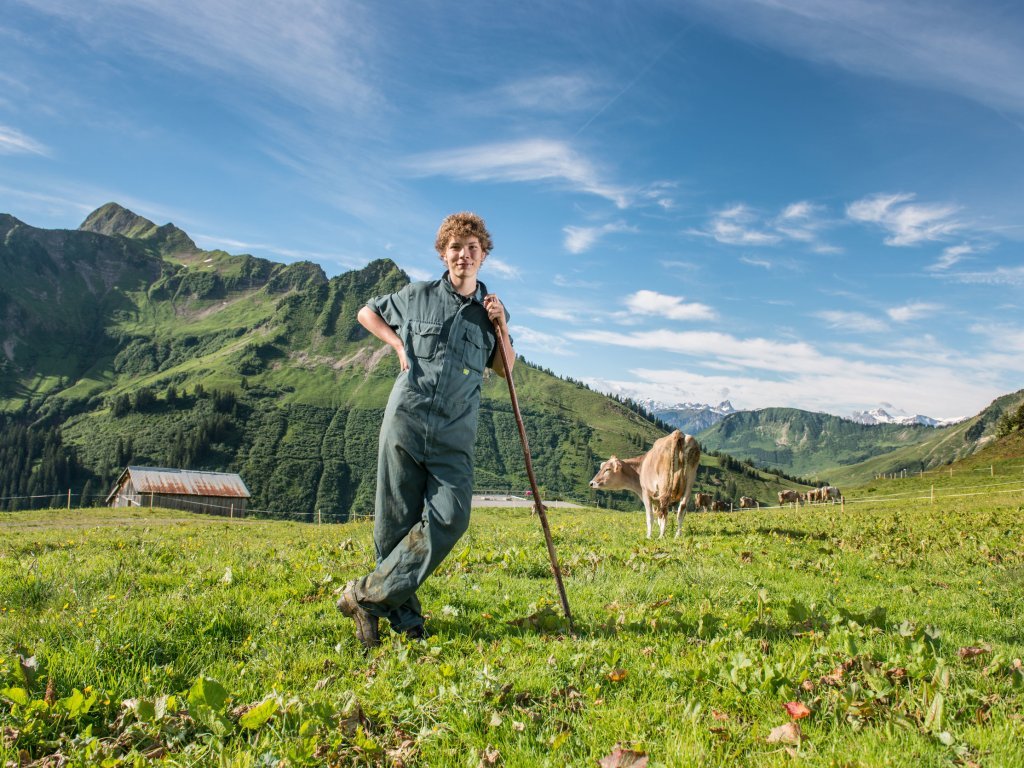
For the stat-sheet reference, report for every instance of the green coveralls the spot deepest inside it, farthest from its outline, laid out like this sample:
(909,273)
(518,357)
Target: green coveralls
(425,459)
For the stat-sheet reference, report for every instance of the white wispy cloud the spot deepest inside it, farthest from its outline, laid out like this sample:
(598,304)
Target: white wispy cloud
(303,50)
(804,222)
(952,255)
(852,321)
(1001,336)
(913,311)
(549,93)
(503,268)
(727,349)
(762,263)
(740,224)
(907,223)
(565,308)
(957,47)
(564,281)
(997,276)
(580,239)
(669,307)
(528,160)
(737,225)
(14,142)
(528,339)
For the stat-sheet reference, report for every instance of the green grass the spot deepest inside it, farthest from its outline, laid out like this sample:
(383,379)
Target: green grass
(685,649)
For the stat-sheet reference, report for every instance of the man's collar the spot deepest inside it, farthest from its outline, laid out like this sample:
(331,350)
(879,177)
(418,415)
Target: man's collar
(481,289)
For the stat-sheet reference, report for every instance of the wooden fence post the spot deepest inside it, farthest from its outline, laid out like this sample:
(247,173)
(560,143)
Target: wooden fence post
(69,499)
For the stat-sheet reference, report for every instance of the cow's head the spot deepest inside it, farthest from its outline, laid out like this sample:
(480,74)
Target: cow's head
(608,473)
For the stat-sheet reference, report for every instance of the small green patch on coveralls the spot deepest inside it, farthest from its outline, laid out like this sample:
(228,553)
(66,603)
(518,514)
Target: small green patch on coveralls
(425,459)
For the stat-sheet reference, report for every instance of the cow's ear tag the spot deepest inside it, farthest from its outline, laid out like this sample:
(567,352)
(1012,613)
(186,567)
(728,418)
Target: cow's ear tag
(465,371)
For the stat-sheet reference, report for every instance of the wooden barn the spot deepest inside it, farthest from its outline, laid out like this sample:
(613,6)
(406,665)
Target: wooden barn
(214,493)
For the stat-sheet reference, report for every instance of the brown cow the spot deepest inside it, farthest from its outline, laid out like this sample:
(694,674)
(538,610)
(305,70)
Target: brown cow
(702,501)
(661,477)
(788,497)
(815,495)
(748,503)
(719,506)
(831,492)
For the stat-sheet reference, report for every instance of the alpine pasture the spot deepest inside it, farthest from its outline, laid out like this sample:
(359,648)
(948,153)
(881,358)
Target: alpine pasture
(888,631)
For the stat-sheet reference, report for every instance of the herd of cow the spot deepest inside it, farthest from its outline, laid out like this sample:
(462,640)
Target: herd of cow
(664,477)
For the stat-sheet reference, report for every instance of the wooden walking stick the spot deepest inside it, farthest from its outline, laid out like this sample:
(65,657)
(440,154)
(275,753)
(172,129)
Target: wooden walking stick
(538,507)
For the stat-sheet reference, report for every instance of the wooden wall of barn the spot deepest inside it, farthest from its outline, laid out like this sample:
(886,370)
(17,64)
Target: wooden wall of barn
(209,505)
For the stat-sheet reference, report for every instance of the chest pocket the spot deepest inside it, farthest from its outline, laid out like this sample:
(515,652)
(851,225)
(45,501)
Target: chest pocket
(475,349)
(424,338)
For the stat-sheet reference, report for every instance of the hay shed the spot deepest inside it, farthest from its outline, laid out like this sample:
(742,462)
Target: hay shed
(212,493)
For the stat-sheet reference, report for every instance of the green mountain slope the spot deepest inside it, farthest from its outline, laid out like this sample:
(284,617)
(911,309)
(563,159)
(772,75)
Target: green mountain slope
(942,446)
(139,347)
(806,443)
(824,447)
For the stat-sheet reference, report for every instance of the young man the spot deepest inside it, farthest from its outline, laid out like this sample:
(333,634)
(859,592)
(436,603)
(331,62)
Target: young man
(444,334)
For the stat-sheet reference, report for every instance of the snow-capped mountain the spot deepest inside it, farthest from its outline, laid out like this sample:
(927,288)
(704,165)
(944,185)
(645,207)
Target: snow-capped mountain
(881,416)
(689,417)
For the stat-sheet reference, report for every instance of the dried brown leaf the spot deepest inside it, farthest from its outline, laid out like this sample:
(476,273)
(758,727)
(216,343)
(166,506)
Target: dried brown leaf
(491,756)
(403,754)
(971,651)
(624,758)
(722,716)
(787,733)
(324,682)
(617,675)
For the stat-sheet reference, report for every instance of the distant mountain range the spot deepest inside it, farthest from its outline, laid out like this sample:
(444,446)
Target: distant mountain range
(881,416)
(691,418)
(696,417)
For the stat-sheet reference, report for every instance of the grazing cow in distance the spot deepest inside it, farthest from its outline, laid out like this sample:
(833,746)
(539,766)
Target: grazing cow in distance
(702,501)
(719,506)
(831,492)
(661,477)
(788,497)
(814,495)
(748,503)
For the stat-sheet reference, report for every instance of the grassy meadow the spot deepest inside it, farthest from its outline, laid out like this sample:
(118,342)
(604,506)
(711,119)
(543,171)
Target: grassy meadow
(886,632)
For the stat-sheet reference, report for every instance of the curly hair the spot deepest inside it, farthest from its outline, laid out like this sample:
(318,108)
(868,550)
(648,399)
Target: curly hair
(463,224)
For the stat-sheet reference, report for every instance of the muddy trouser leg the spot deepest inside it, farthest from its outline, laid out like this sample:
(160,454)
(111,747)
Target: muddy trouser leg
(412,543)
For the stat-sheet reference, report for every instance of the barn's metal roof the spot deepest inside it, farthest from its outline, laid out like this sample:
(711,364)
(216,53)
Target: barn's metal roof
(185,482)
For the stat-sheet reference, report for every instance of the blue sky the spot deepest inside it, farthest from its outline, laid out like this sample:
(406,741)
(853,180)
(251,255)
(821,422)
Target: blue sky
(780,202)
